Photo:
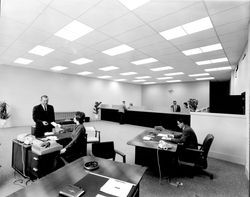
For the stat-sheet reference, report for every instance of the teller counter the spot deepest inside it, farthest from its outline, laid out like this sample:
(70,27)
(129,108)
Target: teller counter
(147,118)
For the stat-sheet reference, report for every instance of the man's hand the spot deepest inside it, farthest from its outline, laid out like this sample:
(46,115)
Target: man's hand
(45,123)
(63,151)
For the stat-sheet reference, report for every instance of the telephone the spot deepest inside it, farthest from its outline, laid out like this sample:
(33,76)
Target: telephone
(164,145)
(91,165)
(44,147)
(26,138)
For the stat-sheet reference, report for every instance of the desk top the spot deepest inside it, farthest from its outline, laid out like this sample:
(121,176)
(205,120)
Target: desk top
(51,184)
(153,144)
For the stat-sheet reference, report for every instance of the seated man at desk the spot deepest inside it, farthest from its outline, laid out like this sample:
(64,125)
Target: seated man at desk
(77,146)
(43,115)
(188,136)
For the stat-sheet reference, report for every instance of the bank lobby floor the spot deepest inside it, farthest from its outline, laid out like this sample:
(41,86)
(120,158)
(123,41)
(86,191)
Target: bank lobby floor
(229,178)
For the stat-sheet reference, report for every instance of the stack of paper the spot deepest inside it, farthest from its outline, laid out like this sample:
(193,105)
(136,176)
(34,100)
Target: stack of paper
(116,187)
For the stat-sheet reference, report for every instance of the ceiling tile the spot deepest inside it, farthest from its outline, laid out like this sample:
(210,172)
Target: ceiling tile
(15,9)
(122,24)
(107,44)
(104,12)
(92,38)
(73,8)
(146,41)
(51,21)
(10,27)
(231,15)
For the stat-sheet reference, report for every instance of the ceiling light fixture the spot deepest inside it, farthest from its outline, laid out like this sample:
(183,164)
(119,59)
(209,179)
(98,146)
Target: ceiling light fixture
(21,60)
(218,69)
(120,80)
(174,74)
(128,73)
(81,61)
(118,50)
(58,68)
(149,83)
(104,77)
(162,68)
(84,73)
(198,75)
(204,78)
(41,50)
(73,31)
(139,80)
(212,61)
(204,49)
(173,81)
(132,4)
(143,77)
(144,61)
(109,68)
(164,78)
(188,28)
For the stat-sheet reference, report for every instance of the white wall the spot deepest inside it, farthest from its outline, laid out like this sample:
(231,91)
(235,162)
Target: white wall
(162,96)
(229,134)
(21,88)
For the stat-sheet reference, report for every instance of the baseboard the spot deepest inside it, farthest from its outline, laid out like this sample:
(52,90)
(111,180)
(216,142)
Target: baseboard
(225,157)
(247,173)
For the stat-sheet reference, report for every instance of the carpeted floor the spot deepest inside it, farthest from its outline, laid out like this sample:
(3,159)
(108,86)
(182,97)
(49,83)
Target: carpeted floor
(229,179)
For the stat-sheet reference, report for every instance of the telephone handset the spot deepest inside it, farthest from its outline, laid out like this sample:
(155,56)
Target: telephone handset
(164,145)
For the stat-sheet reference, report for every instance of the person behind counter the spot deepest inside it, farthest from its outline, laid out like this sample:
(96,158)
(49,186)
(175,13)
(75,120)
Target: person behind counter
(175,107)
(185,108)
(43,116)
(122,110)
(75,149)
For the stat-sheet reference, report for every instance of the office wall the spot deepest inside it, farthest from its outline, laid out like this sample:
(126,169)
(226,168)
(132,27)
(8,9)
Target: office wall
(21,88)
(229,132)
(160,97)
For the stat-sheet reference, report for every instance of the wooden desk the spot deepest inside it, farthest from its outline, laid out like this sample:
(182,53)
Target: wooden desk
(146,151)
(50,185)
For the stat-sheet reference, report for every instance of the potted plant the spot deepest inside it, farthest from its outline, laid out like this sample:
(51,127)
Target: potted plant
(96,109)
(4,115)
(193,103)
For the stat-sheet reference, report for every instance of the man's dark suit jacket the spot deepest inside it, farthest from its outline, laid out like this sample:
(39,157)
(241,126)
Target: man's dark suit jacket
(178,108)
(77,147)
(188,138)
(40,115)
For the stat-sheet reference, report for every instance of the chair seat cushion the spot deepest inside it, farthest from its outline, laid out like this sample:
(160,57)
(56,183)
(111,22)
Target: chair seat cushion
(92,139)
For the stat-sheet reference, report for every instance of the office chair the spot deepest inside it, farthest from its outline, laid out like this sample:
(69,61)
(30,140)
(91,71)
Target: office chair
(106,150)
(94,136)
(196,158)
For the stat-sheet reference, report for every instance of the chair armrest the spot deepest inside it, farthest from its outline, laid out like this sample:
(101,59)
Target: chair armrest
(121,154)
(194,150)
(98,133)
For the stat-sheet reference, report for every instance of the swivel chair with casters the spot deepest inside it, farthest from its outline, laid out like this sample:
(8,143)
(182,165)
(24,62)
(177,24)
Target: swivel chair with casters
(106,150)
(196,158)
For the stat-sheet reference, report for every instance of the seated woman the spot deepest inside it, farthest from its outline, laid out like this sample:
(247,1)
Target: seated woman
(77,147)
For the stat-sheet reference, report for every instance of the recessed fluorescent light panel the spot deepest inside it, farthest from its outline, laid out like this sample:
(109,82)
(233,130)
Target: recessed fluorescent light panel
(143,77)
(118,80)
(162,68)
(198,25)
(128,73)
(188,28)
(73,31)
(108,68)
(173,81)
(41,50)
(84,73)
(23,61)
(204,78)
(164,78)
(204,49)
(212,61)
(144,61)
(104,77)
(139,80)
(81,61)
(148,83)
(118,50)
(58,68)
(218,69)
(133,4)
(174,74)
(199,75)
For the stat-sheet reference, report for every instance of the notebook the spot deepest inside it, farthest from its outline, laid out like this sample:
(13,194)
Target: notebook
(71,191)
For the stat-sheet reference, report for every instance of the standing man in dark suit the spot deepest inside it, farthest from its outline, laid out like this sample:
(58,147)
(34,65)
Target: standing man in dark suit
(188,136)
(175,107)
(43,115)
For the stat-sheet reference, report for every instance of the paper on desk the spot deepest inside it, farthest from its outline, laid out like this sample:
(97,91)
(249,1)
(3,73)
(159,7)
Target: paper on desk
(99,195)
(116,187)
(166,138)
(53,138)
(162,135)
(48,133)
(146,138)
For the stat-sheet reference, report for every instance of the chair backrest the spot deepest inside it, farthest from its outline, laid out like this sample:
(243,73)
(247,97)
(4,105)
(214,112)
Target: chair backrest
(207,144)
(104,150)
